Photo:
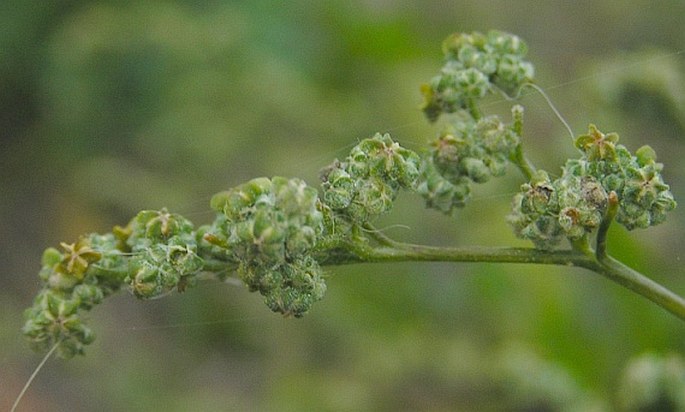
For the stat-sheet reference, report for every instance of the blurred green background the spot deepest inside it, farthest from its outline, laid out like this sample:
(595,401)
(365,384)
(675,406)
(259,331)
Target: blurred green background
(110,107)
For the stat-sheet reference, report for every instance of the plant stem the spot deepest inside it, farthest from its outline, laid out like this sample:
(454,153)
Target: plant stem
(612,209)
(473,109)
(608,267)
(523,164)
(642,285)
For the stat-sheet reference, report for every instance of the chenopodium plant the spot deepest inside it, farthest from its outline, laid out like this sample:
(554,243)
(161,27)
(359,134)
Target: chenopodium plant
(276,234)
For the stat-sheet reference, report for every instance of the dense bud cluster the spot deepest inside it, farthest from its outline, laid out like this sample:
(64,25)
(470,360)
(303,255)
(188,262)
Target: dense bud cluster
(269,227)
(548,211)
(475,65)
(365,184)
(644,198)
(154,254)
(466,151)
(574,205)
(74,279)
(163,253)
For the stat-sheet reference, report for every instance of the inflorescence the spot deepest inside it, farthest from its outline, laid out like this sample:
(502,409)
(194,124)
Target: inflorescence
(273,233)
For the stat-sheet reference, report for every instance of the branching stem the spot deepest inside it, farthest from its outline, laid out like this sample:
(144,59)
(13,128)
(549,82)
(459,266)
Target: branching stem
(607,266)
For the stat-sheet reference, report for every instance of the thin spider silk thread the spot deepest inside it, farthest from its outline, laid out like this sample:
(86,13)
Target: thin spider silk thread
(34,374)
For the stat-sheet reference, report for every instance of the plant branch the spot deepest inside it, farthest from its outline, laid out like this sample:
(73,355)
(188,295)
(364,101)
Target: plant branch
(642,285)
(607,267)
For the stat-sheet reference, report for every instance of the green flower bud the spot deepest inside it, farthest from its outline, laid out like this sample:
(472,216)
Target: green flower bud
(381,156)
(512,73)
(88,295)
(483,62)
(645,155)
(592,193)
(233,203)
(145,280)
(505,43)
(545,231)
(476,170)
(51,257)
(474,150)
(439,193)
(374,197)
(473,83)
(496,138)
(59,307)
(338,189)
(645,198)
(537,194)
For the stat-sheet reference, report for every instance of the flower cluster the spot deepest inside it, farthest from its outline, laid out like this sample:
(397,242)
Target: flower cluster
(472,148)
(465,152)
(365,184)
(154,254)
(475,65)
(644,198)
(268,228)
(574,205)
(74,279)
(548,211)
(163,253)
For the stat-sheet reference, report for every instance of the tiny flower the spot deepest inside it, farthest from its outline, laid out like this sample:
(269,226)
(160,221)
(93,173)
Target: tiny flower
(596,145)
(77,257)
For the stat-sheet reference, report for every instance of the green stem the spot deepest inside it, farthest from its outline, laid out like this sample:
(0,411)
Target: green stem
(518,157)
(523,164)
(404,252)
(642,285)
(608,267)
(473,109)
(612,209)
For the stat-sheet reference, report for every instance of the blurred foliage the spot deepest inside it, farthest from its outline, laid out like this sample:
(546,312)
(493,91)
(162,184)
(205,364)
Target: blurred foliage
(187,99)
